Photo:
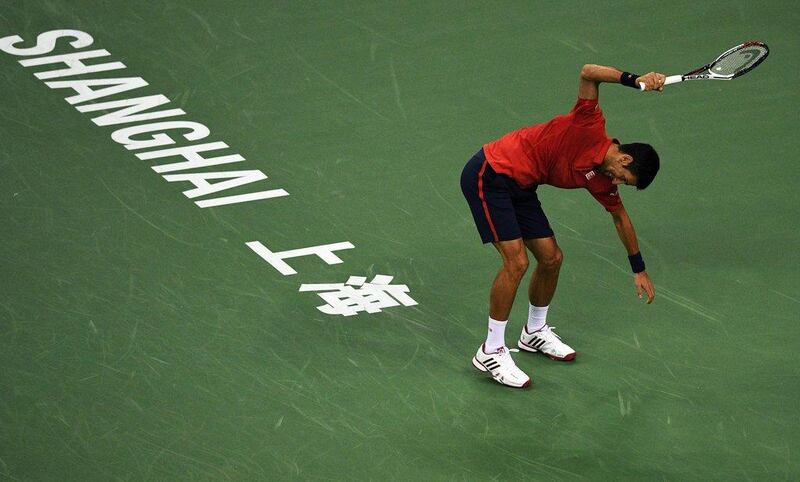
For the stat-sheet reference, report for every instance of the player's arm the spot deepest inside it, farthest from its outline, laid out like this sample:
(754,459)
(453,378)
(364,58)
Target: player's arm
(592,75)
(627,235)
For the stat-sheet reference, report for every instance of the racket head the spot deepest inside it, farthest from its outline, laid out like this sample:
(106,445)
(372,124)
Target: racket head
(739,60)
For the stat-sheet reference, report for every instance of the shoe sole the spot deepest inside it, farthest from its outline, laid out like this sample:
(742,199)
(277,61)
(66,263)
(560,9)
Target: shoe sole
(525,347)
(478,365)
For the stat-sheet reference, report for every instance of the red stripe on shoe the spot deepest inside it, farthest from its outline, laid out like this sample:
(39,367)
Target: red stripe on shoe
(483,201)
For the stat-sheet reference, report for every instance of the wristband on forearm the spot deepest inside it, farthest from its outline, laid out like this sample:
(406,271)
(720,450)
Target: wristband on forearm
(637,263)
(629,79)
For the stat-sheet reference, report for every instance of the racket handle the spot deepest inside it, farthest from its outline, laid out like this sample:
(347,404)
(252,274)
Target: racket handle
(671,79)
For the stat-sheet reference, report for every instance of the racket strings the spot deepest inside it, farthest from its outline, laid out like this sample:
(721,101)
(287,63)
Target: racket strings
(739,60)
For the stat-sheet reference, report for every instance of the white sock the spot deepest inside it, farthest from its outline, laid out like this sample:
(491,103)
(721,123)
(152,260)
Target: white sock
(496,338)
(537,317)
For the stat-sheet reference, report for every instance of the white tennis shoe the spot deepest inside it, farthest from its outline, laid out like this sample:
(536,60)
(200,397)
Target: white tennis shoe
(502,367)
(547,342)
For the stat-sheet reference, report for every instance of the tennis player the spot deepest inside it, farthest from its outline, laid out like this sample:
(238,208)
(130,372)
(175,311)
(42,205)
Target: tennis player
(569,151)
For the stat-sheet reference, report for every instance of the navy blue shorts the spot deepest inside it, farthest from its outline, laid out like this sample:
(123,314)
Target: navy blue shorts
(502,210)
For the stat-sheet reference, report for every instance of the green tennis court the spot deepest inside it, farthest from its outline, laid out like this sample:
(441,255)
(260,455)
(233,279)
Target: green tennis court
(150,328)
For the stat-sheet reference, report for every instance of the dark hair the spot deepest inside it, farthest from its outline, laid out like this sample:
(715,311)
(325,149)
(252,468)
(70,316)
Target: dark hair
(645,162)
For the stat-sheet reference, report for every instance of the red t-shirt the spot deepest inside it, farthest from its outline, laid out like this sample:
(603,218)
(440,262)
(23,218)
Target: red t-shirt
(562,152)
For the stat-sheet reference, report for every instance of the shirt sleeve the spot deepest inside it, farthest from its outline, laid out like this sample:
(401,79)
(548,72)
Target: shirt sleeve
(587,112)
(605,192)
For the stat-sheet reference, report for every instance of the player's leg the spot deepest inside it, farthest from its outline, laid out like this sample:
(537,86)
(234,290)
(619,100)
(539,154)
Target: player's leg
(544,279)
(539,239)
(488,196)
(501,299)
(509,276)
(537,335)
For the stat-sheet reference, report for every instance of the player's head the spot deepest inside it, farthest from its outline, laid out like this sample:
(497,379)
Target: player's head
(642,161)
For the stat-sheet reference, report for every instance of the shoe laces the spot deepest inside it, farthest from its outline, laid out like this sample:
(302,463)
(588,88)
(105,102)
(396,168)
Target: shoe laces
(549,329)
(503,351)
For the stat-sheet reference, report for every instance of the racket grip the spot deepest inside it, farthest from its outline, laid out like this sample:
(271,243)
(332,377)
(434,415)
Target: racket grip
(671,79)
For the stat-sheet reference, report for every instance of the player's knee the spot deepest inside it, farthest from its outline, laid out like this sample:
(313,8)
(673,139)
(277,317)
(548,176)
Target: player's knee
(517,265)
(552,261)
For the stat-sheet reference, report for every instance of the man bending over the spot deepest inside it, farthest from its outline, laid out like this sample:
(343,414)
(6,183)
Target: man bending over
(569,151)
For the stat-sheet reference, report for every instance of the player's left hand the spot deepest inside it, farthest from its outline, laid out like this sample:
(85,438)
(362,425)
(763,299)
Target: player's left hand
(643,284)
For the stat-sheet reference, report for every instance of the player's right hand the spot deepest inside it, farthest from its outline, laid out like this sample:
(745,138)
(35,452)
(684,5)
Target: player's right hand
(652,81)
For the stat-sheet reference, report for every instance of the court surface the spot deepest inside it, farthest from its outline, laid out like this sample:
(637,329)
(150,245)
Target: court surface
(142,339)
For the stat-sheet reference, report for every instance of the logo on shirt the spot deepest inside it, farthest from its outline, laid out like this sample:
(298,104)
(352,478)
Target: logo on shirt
(589,175)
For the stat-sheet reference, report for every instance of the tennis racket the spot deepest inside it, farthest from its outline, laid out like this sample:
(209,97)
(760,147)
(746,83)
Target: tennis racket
(729,65)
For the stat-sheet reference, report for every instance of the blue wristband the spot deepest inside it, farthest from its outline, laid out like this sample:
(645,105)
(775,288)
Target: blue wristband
(637,263)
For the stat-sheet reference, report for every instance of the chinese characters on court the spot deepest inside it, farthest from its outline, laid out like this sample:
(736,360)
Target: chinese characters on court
(346,299)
